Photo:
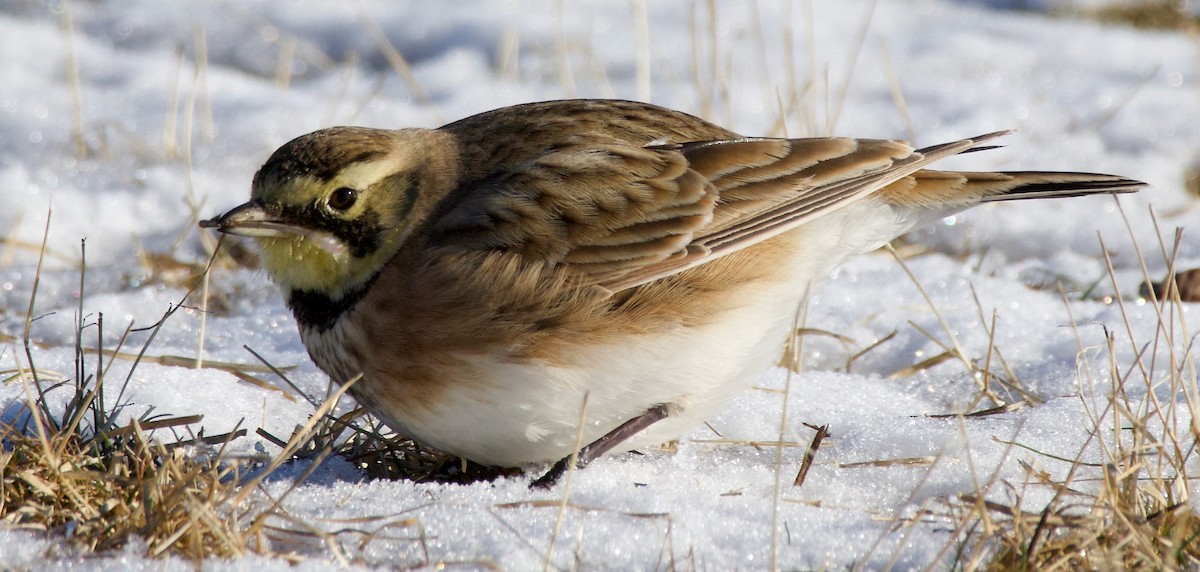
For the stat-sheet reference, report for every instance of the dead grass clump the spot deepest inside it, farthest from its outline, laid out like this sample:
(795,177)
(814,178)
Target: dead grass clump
(1149,14)
(74,472)
(1130,512)
(1139,519)
(1101,537)
(101,491)
(1124,502)
(377,451)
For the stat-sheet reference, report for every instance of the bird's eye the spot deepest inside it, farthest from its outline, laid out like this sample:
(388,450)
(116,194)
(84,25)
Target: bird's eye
(342,199)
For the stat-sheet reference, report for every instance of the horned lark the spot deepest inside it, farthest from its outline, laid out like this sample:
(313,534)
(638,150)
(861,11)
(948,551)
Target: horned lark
(485,276)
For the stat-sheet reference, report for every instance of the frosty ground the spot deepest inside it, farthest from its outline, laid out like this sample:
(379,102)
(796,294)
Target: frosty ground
(178,104)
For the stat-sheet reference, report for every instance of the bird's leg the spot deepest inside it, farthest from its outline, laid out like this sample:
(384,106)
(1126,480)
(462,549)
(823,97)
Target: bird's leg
(600,446)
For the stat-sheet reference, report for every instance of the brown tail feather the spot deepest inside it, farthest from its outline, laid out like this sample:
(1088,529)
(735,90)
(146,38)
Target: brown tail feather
(952,190)
(1044,184)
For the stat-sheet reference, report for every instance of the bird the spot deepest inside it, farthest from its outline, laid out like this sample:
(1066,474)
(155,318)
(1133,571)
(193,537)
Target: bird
(609,273)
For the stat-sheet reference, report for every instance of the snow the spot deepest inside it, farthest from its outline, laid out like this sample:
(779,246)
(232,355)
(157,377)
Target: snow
(1083,96)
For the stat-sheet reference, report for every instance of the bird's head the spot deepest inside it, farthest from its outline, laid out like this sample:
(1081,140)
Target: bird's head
(330,208)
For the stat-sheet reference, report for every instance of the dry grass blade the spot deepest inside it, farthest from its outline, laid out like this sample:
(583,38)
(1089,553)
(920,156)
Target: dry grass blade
(72,70)
(792,353)
(844,89)
(189,362)
(37,278)
(809,455)
(399,63)
(922,461)
(874,345)
(13,244)
(998,410)
(923,365)
(567,482)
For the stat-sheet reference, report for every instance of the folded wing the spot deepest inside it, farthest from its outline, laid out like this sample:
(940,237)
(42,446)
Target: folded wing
(621,216)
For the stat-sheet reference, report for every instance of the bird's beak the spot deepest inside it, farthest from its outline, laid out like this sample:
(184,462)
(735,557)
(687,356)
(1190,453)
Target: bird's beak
(252,219)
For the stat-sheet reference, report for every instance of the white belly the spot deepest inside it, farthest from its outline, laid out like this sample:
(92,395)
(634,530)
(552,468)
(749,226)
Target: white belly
(532,411)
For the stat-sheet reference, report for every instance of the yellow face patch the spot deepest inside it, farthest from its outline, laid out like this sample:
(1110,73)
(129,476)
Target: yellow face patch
(299,263)
(318,262)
